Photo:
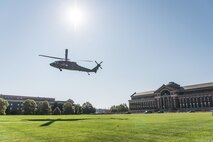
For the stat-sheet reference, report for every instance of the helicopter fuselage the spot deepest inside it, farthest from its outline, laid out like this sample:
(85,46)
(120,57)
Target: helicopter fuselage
(68,65)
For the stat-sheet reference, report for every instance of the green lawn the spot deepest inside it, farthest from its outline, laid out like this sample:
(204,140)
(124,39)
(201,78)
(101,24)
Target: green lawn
(166,127)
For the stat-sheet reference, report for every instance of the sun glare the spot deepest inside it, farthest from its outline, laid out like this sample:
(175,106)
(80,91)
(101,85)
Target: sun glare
(74,16)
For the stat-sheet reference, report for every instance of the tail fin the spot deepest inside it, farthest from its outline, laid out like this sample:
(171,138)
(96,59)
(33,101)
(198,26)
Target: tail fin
(95,69)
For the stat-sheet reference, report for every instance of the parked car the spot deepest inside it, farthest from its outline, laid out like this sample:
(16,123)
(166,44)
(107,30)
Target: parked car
(147,111)
(160,111)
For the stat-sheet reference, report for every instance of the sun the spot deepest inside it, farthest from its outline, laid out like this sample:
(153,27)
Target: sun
(74,16)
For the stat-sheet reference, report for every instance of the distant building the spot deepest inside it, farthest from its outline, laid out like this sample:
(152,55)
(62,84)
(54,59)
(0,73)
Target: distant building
(16,102)
(173,97)
(100,110)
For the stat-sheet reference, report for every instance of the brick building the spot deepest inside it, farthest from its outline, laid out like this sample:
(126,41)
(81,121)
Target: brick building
(16,102)
(173,97)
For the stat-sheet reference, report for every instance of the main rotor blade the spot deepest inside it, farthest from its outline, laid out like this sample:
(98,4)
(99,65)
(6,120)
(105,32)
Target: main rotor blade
(86,60)
(51,57)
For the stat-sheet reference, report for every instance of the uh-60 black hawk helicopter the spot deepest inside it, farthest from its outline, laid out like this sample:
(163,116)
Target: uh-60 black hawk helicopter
(65,63)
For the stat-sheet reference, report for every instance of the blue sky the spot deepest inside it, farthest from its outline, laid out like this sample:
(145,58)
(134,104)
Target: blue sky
(142,43)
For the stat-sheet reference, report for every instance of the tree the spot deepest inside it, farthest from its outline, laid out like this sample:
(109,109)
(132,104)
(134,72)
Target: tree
(78,109)
(87,108)
(122,108)
(68,108)
(113,109)
(29,107)
(71,101)
(119,108)
(3,106)
(44,108)
(57,111)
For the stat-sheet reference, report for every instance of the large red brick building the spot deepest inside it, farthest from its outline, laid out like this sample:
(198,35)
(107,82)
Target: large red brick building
(16,102)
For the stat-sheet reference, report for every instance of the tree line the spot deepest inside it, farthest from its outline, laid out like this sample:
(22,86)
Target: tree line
(30,107)
(122,108)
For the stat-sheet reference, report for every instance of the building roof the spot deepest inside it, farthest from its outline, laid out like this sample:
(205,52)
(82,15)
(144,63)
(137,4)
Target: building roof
(196,86)
(143,93)
(15,97)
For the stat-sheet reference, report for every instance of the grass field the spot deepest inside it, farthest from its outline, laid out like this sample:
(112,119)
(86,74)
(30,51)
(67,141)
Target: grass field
(166,127)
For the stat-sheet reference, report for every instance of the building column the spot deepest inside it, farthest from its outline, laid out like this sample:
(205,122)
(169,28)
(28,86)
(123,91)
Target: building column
(204,101)
(210,100)
(142,105)
(187,102)
(174,102)
(168,102)
(180,102)
(171,102)
(207,101)
(158,103)
(193,102)
(163,103)
(184,102)
(197,102)
(201,102)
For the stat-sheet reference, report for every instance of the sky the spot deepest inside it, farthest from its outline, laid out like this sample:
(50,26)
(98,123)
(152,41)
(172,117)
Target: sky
(143,44)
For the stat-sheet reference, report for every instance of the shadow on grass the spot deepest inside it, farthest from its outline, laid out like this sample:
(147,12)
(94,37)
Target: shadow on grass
(50,121)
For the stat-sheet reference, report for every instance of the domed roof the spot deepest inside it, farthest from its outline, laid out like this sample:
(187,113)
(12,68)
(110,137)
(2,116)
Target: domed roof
(173,84)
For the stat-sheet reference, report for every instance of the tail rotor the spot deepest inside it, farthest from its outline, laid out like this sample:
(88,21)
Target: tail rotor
(99,64)
(97,67)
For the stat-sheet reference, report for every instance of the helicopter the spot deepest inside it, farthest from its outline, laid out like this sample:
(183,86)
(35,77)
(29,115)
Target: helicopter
(65,63)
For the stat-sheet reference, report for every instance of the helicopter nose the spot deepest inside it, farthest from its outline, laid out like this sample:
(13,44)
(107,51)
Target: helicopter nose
(52,64)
